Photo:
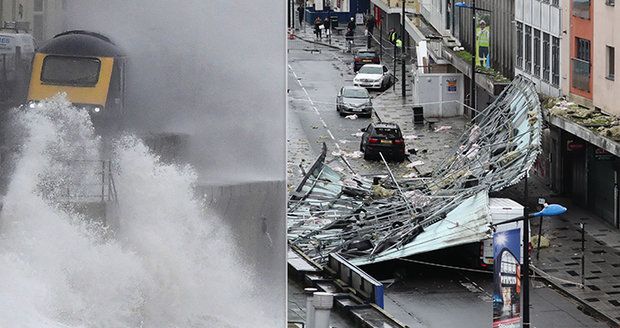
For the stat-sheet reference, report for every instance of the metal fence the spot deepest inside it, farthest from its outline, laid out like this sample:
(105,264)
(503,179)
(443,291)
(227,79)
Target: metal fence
(81,181)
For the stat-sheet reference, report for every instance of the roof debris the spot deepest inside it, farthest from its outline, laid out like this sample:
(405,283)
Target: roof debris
(371,221)
(598,122)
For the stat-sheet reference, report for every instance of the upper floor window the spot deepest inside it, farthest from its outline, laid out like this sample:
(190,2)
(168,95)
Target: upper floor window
(582,50)
(581,8)
(611,62)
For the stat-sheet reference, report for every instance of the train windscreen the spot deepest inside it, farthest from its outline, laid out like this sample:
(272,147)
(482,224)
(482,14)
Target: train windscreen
(73,71)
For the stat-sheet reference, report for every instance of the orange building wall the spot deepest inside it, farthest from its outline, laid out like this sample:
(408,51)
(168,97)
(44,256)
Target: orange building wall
(584,29)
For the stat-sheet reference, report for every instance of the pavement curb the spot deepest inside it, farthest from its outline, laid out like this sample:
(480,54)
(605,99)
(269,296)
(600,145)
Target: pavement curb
(541,275)
(319,43)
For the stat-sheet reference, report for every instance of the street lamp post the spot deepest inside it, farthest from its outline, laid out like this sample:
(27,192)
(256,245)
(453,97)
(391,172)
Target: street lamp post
(548,210)
(402,52)
(380,36)
(472,102)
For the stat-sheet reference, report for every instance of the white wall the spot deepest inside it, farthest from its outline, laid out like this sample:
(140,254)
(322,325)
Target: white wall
(434,12)
(607,33)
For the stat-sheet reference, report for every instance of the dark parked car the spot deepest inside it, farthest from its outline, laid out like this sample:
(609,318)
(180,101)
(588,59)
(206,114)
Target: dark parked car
(363,57)
(354,100)
(385,138)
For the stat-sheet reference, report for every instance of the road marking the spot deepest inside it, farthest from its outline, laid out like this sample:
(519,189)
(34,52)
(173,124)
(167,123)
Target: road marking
(316,110)
(331,135)
(475,288)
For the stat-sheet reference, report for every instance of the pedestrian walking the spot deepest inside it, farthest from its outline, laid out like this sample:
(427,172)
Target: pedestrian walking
(317,27)
(370,28)
(300,13)
(370,24)
(351,24)
(349,36)
(327,28)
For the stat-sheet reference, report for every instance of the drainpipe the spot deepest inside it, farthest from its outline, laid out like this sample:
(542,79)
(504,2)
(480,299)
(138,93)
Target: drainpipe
(309,307)
(323,303)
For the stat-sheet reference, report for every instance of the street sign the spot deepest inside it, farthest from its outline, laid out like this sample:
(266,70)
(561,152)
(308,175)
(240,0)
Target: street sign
(572,145)
(602,154)
(359,19)
(451,85)
(507,279)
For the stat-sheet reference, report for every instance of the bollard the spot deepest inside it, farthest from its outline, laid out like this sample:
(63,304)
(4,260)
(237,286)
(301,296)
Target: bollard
(309,307)
(582,225)
(322,303)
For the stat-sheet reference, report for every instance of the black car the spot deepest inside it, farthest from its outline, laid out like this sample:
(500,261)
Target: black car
(385,138)
(363,57)
(354,100)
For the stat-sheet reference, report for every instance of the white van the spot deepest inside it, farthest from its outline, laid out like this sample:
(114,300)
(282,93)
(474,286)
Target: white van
(501,209)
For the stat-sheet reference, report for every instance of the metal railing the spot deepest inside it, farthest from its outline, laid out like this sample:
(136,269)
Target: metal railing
(82,181)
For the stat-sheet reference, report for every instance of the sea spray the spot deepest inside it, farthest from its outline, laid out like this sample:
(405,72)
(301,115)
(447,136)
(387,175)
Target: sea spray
(167,265)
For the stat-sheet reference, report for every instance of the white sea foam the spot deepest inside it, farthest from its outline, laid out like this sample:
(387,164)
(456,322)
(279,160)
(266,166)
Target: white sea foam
(167,265)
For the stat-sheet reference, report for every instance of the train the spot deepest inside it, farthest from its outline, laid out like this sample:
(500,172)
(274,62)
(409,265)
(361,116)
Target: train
(89,68)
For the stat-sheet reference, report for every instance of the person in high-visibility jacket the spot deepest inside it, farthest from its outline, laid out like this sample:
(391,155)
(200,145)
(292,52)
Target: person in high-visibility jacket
(392,36)
(482,41)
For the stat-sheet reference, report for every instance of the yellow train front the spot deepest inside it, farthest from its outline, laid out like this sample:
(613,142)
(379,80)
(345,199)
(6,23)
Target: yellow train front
(89,68)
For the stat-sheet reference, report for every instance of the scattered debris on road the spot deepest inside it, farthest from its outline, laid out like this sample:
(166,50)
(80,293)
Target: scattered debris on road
(333,212)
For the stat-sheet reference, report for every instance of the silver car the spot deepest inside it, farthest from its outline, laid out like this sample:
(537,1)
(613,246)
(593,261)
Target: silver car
(354,100)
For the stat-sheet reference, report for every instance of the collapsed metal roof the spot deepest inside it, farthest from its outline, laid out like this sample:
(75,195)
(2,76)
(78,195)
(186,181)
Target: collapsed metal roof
(332,212)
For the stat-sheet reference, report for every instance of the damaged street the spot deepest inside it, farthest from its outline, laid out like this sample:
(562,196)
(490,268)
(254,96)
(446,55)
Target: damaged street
(420,225)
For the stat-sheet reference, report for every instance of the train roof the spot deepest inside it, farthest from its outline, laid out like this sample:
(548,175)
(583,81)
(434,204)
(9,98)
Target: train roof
(81,43)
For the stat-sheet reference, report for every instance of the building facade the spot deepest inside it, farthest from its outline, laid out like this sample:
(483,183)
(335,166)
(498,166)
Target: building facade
(44,17)
(538,35)
(607,26)
(583,163)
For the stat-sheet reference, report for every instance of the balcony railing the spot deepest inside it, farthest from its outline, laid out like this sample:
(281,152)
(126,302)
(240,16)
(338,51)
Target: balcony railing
(581,74)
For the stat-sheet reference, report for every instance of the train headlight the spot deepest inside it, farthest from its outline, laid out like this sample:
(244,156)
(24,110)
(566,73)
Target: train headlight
(32,105)
(97,109)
